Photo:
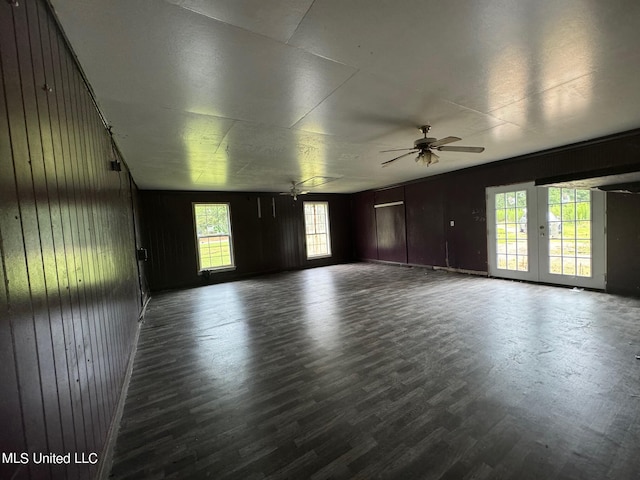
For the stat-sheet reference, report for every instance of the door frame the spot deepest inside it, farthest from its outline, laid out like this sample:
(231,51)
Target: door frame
(493,270)
(598,276)
(538,248)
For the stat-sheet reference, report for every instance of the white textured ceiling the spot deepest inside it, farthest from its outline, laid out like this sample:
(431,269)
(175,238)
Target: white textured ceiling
(248,95)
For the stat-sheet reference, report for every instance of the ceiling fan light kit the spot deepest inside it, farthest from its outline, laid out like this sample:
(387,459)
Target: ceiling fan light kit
(427,158)
(295,190)
(425,147)
(315,181)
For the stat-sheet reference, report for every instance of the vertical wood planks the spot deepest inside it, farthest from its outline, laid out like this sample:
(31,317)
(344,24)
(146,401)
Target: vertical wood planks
(54,278)
(288,213)
(265,244)
(459,196)
(364,226)
(69,292)
(425,224)
(20,232)
(623,260)
(12,435)
(65,244)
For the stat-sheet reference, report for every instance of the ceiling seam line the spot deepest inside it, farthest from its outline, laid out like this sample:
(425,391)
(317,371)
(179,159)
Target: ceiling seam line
(322,101)
(225,136)
(487,114)
(190,10)
(300,22)
(286,43)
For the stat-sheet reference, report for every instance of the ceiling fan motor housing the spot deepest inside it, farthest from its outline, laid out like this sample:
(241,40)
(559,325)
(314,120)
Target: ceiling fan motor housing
(423,143)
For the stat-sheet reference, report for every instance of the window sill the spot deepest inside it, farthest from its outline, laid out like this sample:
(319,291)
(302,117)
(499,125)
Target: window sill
(317,257)
(216,270)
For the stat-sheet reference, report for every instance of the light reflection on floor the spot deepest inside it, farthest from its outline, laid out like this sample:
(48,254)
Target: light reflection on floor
(321,319)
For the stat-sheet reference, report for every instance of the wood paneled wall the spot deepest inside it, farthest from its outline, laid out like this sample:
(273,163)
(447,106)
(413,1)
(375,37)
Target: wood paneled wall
(261,244)
(364,233)
(425,224)
(432,203)
(623,243)
(69,287)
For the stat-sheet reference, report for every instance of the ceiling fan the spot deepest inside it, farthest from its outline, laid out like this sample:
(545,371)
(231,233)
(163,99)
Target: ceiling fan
(296,187)
(425,147)
(295,190)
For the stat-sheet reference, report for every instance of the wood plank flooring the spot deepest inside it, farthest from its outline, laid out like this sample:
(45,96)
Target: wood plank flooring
(372,371)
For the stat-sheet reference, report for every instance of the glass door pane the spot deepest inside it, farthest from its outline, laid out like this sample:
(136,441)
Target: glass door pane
(510,243)
(511,231)
(571,242)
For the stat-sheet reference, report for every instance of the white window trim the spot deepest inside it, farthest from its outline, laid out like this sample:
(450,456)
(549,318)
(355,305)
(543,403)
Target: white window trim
(224,268)
(328,232)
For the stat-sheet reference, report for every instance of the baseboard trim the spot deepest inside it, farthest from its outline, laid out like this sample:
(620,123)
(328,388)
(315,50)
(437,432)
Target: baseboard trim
(386,262)
(106,457)
(144,308)
(430,267)
(463,270)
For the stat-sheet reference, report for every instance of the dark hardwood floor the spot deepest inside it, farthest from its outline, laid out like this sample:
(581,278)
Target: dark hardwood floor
(374,371)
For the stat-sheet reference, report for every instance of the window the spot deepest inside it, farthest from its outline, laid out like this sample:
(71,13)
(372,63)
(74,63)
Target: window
(316,221)
(213,231)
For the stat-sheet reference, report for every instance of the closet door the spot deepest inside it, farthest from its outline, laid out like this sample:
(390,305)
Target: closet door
(391,232)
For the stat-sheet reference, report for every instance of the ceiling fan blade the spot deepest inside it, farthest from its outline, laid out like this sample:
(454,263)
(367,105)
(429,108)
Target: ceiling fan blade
(461,149)
(444,141)
(285,193)
(385,164)
(397,150)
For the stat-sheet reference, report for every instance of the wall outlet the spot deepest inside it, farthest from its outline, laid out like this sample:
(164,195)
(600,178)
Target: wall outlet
(452,223)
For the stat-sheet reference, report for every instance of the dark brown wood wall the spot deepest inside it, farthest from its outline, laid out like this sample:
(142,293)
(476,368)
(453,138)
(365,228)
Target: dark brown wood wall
(69,288)
(425,224)
(364,234)
(265,244)
(623,243)
(432,203)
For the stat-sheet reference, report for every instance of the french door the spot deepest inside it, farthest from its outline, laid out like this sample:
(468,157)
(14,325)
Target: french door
(547,234)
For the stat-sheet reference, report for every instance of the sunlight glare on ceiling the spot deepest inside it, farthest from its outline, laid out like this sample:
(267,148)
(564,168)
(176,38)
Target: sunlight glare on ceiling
(565,65)
(205,162)
(311,156)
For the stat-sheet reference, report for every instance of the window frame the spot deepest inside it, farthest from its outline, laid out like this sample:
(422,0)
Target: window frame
(222,268)
(327,228)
